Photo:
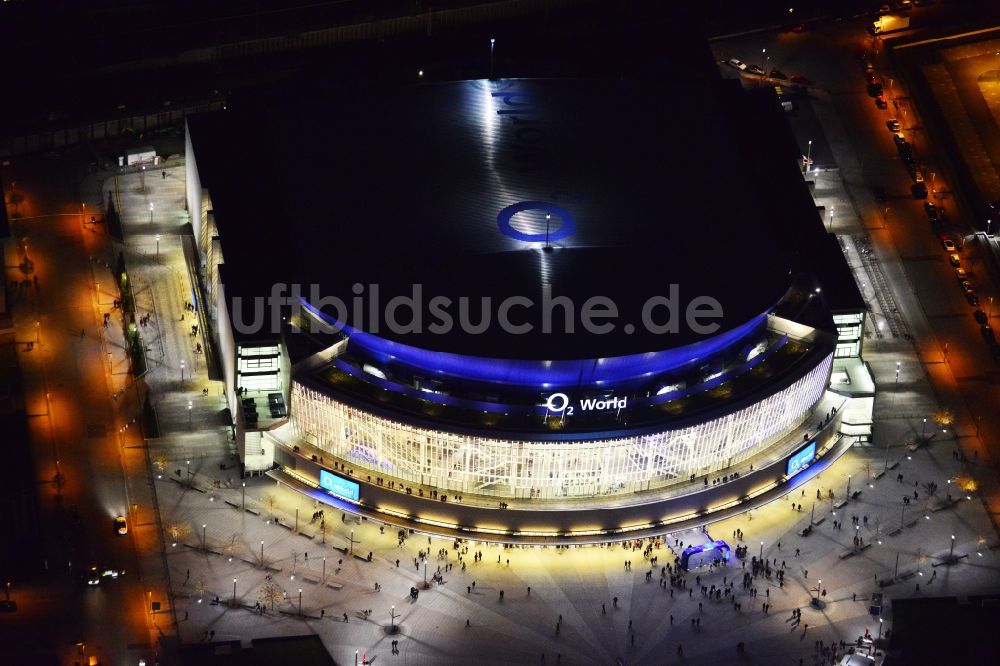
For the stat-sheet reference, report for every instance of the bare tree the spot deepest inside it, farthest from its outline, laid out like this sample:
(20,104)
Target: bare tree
(178,531)
(270,500)
(160,462)
(231,546)
(270,592)
(200,589)
(921,558)
(943,417)
(324,529)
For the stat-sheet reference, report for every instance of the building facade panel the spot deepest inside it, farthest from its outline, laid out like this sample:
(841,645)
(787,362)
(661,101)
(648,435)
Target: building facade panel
(520,468)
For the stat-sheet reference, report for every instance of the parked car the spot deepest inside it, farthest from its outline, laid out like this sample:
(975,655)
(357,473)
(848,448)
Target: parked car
(121,526)
(968,287)
(778,74)
(875,90)
(932,211)
(973,298)
(949,245)
(893,125)
(755,69)
(980,317)
(961,274)
(881,103)
(799,79)
(987,332)
(738,64)
(954,259)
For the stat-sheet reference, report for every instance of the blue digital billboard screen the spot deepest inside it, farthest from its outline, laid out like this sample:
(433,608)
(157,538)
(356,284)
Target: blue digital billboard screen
(338,485)
(801,459)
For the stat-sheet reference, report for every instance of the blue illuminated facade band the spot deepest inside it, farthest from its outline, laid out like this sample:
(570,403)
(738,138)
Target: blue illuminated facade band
(617,372)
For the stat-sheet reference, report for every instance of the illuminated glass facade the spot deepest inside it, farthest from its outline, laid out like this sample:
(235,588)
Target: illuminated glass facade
(521,468)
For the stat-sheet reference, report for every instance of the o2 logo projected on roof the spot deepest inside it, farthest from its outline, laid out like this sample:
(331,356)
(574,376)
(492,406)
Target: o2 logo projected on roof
(339,485)
(559,403)
(560,228)
(801,459)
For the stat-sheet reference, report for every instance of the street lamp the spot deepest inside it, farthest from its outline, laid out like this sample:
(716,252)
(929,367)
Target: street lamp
(204,542)
(324,568)
(296,519)
(352,542)
(300,602)
(157,236)
(392,614)
(896,387)
(150,212)
(923,430)
(190,407)
(761,558)
(493,42)
(848,485)
(880,621)
(38,329)
(244,501)
(234,592)
(548,218)
(182,371)
(261,553)
(809,152)
(189,470)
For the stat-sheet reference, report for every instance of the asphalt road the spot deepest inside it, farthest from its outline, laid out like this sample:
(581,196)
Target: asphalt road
(965,377)
(78,424)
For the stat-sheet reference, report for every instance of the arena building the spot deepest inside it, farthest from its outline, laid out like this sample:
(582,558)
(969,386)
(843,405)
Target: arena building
(569,309)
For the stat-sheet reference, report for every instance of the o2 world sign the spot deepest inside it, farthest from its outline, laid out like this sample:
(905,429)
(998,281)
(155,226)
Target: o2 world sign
(559,403)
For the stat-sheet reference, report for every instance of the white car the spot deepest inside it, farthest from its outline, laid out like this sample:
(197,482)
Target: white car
(738,64)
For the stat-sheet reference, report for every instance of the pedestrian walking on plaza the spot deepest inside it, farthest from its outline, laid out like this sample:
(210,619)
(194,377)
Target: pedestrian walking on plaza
(467,623)
(680,650)
(501,595)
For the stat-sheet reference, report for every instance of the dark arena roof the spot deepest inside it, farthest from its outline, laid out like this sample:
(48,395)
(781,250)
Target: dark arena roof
(447,185)
(668,182)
